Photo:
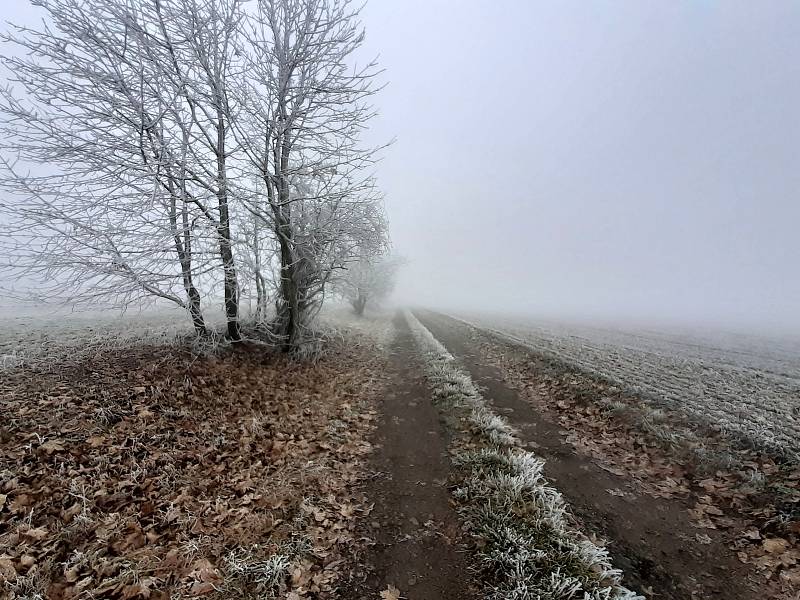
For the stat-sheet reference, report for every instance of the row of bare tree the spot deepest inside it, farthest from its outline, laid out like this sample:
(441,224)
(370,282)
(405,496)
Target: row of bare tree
(190,149)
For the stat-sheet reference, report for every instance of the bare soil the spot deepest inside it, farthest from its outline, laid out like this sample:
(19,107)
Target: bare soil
(417,543)
(651,539)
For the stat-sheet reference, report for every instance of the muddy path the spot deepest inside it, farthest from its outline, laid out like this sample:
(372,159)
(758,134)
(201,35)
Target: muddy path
(651,539)
(417,537)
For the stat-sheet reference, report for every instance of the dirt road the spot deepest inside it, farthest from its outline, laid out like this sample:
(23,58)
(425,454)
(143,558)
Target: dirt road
(651,539)
(417,547)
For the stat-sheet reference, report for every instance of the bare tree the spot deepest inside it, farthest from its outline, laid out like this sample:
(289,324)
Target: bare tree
(129,99)
(370,279)
(110,218)
(302,111)
(143,140)
(200,39)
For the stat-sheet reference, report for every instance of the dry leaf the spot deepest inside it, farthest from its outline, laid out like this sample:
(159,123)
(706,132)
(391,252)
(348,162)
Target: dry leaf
(51,446)
(301,575)
(775,545)
(752,534)
(27,560)
(201,588)
(39,533)
(791,576)
(7,570)
(204,571)
(390,593)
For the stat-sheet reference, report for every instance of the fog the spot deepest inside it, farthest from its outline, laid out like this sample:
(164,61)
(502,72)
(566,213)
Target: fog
(615,160)
(622,161)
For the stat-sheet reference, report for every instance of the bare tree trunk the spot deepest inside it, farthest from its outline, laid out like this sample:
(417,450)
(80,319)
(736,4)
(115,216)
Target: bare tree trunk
(289,317)
(289,308)
(183,247)
(230,284)
(194,308)
(359,303)
(261,284)
(260,298)
(188,282)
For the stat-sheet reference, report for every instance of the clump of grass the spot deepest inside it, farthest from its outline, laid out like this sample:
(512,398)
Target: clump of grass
(495,428)
(527,548)
(657,427)
(257,577)
(32,586)
(653,422)
(255,573)
(616,407)
(710,460)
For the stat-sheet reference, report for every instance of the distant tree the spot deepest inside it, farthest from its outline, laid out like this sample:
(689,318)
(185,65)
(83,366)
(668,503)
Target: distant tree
(368,280)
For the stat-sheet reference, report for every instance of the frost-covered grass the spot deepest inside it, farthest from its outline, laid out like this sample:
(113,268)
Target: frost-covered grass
(264,575)
(529,549)
(256,573)
(44,336)
(745,386)
(374,324)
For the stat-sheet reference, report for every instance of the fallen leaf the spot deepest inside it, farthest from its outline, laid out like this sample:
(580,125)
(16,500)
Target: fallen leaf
(752,534)
(51,446)
(775,545)
(703,538)
(201,588)
(205,572)
(27,560)
(7,570)
(390,593)
(38,534)
(301,575)
(791,576)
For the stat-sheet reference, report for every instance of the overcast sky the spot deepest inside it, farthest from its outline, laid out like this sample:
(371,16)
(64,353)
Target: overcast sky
(620,159)
(626,159)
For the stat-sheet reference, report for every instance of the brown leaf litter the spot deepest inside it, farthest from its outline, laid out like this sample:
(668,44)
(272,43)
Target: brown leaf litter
(150,473)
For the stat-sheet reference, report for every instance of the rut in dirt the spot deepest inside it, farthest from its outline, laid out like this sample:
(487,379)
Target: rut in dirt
(650,539)
(418,547)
